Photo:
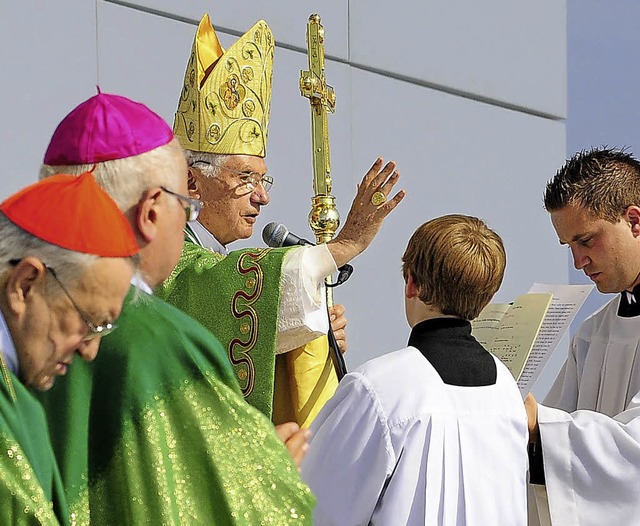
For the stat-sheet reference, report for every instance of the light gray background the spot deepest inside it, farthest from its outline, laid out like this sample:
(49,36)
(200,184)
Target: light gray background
(469,98)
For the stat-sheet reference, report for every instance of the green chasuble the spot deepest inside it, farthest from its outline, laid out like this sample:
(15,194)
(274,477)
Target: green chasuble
(155,431)
(236,297)
(30,486)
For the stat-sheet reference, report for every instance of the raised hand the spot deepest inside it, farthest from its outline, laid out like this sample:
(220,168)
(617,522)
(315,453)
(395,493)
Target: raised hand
(368,210)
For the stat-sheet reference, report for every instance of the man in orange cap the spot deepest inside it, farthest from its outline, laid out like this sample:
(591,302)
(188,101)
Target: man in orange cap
(66,253)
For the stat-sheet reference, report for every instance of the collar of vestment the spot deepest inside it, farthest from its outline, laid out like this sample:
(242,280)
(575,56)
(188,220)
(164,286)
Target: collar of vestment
(629,303)
(198,234)
(141,284)
(453,352)
(7,349)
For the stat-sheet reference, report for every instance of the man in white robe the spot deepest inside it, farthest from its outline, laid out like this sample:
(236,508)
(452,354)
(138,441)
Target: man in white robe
(434,433)
(587,433)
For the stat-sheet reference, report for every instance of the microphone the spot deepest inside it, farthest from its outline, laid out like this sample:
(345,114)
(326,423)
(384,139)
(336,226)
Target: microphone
(277,235)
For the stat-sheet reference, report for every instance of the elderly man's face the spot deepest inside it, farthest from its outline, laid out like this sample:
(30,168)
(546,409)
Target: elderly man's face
(52,330)
(231,208)
(170,224)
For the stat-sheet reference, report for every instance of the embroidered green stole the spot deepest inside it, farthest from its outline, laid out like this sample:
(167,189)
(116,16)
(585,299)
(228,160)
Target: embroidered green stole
(236,297)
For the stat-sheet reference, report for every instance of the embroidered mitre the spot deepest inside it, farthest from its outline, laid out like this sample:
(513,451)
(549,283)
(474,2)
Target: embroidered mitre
(225,101)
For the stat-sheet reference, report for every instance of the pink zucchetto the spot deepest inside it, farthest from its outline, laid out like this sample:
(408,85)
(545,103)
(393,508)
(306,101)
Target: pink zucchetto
(106,127)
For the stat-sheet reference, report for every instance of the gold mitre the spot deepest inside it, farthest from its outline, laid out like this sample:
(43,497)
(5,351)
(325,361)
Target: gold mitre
(225,101)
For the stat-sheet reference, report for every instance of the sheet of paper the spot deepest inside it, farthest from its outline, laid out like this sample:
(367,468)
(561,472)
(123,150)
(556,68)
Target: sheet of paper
(486,325)
(566,302)
(518,330)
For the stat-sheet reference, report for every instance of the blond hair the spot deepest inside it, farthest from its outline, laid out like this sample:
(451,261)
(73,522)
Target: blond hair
(457,262)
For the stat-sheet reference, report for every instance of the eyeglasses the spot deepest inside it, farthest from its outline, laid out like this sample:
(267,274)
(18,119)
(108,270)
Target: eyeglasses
(94,330)
(192,210)
(251,180)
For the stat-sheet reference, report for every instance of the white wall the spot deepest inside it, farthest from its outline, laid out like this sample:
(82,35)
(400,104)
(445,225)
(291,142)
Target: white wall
(470,101)
(48,64)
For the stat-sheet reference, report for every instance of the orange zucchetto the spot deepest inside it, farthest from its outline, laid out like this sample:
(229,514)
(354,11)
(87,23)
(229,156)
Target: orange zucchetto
(72,212)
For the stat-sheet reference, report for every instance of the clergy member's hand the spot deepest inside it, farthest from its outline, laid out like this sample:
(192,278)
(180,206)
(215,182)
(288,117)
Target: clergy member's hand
(338,326)
(531,406)
(367,213)
(295,439)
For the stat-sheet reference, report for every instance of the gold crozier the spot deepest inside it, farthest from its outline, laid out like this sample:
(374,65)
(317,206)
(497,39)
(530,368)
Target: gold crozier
(324,218)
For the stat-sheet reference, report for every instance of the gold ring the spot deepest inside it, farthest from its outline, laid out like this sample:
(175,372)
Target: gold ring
(378,198)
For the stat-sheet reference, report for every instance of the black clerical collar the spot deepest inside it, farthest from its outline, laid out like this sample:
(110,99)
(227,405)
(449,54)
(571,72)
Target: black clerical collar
(629,303)
(433,324)
(453,352)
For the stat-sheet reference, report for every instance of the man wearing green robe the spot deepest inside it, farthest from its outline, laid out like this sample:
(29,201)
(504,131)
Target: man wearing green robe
(156,431)
(59,293)
(266,307)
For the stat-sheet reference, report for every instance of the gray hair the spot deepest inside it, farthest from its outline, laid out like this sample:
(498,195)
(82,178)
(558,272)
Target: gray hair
(126,180)
(16,244)
(210,164)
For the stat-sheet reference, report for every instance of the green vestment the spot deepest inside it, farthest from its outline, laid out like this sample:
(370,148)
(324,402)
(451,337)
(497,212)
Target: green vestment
(236,297)
(30,487)
(155,431)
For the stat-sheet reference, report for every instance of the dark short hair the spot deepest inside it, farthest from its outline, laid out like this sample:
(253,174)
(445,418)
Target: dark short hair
(604,181)
(457,263)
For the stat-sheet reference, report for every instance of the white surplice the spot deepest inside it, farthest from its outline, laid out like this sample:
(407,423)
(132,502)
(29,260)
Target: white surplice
(590,425)
(398,446)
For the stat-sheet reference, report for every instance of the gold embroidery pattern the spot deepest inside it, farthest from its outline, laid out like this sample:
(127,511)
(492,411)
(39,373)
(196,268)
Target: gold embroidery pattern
(7,378)
(224,105)
(155,474)
(21,481)
(243,310)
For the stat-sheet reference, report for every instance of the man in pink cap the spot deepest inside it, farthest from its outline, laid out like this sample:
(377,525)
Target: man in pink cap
(156,431)
(67,257)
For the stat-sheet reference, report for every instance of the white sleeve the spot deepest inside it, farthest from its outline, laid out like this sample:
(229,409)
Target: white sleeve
(302,312)
(564,391)
(591,465)
(350,455)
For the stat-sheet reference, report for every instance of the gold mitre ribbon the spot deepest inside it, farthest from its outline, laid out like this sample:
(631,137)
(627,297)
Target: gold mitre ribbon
(225,101)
